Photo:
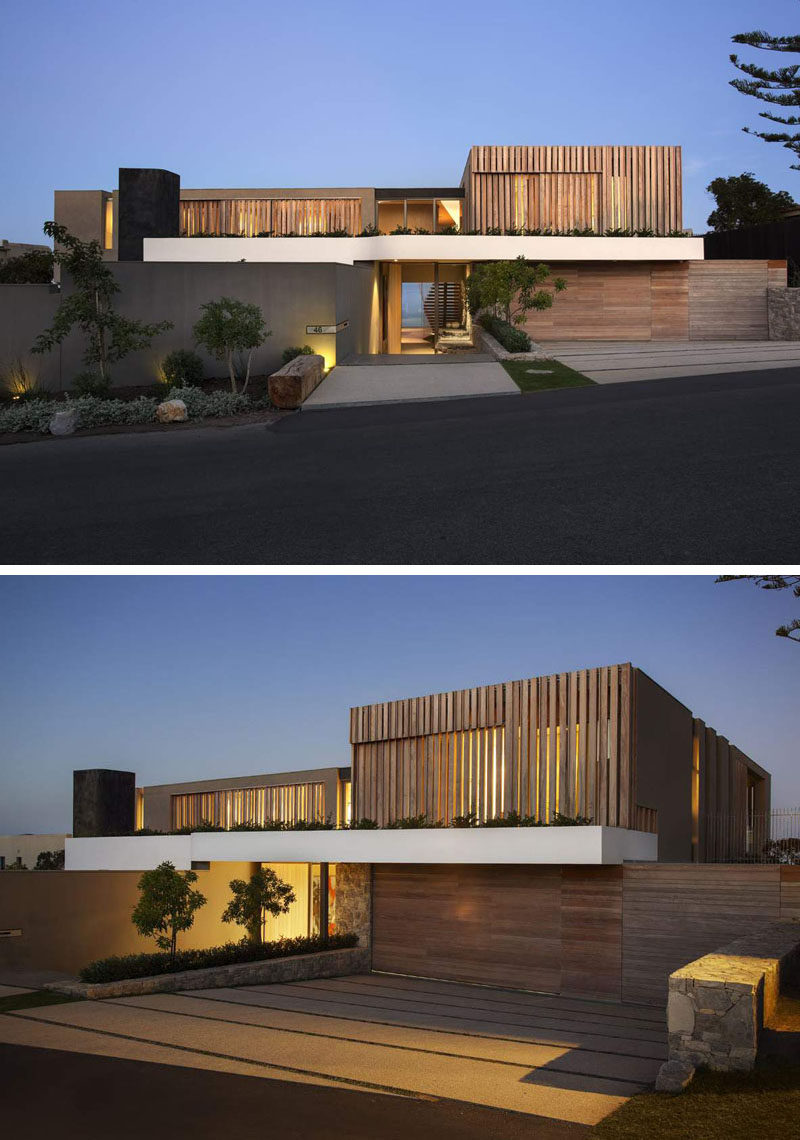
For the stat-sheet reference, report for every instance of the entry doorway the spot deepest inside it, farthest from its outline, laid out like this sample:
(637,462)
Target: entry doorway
(423,306)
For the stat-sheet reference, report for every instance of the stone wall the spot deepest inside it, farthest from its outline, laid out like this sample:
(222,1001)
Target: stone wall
(718,1004)
(783,309)
(326,964)
(354,901)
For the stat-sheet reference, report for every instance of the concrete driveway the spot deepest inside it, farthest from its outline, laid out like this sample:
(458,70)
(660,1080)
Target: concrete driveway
(396,379)
(609,362)
(556,1058)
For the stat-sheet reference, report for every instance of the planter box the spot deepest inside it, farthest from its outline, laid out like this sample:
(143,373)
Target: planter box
(324,964)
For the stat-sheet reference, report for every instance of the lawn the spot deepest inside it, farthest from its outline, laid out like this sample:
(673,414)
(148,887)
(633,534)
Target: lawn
(529,375)
(33,999)
(764,1104)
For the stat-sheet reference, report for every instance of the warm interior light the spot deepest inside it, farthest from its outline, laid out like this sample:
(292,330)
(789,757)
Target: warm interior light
(108,224)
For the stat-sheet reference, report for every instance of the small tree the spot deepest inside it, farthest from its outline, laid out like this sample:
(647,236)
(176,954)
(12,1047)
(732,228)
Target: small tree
(90,307)
(35,267)
(512,288)
(264,891)
(166,905)
(49,861)
(744,201)
(227,329)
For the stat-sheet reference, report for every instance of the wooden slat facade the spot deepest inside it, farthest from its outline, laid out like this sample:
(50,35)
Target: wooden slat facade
(288,803)
(249,217)
(732,820)
(561,188)
(548,744)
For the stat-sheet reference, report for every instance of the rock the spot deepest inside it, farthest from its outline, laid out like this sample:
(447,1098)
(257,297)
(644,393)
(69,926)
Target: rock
(171,412)
(680,1013)
(292,384)
(64,423)
(674,1076)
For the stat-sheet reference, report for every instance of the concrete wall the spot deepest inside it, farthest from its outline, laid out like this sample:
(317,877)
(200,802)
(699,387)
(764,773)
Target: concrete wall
(27,848)
(69,918)
(663,766)
(290,296)
(25,311)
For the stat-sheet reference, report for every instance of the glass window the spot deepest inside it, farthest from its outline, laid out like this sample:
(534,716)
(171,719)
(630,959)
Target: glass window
(108,225)
(390,216)
(420,215)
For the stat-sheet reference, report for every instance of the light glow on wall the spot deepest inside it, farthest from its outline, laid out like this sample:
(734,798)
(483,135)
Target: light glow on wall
(288,803)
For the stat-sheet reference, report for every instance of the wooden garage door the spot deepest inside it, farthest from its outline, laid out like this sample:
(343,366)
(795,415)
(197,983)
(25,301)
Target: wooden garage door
(553,929)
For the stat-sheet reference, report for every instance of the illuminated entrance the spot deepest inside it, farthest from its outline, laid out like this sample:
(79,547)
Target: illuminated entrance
(423,304)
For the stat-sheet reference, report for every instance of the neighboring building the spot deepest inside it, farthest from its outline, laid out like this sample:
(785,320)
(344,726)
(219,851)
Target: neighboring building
(539,907)
(23,850)
(9,249)
(355,270)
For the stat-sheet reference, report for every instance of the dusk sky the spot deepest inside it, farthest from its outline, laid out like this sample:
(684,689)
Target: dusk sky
(365,93)
(180,678)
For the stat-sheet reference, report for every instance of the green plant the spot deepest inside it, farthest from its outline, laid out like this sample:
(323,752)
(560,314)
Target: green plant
(90,306)
(468,819)
(777,88)
(449,229)
(20,382)
(35,267)
(50,861)
(26,415)
(166,906)
(512,339)
(561,820)
(510,289)
(742,200)
(263,893)
(91,384)
(409,821)
(370,231)
(363,824)
(121,968)
(182,368)
(229,328)
(291,353)
(400,230)
(200,404)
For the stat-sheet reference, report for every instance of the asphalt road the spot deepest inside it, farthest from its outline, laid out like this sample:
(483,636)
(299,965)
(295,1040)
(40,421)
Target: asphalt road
(74,1096)
(697,470)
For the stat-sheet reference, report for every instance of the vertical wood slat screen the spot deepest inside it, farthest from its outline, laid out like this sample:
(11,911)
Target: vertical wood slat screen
(287,803)
(249,217)
(574,187)
(722,796)
(561,743)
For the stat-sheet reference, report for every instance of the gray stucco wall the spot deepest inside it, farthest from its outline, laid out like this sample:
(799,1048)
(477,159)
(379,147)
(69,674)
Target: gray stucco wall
(664,766)
(291,296)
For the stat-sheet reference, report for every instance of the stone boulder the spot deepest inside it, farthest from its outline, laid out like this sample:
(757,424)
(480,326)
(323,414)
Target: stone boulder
(674,1076)
(171,412)
(294,383)
(64,422)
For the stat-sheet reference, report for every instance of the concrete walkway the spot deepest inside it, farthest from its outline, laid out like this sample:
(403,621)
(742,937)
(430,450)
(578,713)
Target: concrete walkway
(560,1058)
(415,378)
(612,362)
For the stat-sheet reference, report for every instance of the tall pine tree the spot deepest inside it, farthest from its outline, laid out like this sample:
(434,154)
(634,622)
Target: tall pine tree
(779,87)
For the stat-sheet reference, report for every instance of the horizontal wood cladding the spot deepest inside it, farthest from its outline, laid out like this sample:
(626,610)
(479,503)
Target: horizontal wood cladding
(565,187)
(673,913)
(551,929)
(728,300)
(607,301)
(560,743)
(252,216)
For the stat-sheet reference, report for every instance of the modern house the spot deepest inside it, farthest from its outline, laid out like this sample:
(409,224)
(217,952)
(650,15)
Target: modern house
(369,270)
(444,880)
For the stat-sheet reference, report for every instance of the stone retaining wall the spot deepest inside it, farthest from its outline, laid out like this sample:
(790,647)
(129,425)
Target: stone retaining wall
(325,964)
(354,900)
(485,342)
(718,1004)
(783,314)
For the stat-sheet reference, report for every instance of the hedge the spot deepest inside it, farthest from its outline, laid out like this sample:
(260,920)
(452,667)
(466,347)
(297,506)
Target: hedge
(122,968)
(513,339)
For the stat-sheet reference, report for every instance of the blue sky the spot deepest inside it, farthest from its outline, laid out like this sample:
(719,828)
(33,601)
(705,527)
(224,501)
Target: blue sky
(192,677)
(364,93)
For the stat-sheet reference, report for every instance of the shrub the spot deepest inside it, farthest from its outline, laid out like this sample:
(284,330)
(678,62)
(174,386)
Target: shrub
(370,231)
(32,268)
(468,819)
(20,382)
(182,368)
(262,893)
(512,339)
(363,824)
(228,329)
(166,906)
(409,821)
(26,415)
(91,384)
(94,411)
(118,969)
(50,861)
(200,404)
(291,353)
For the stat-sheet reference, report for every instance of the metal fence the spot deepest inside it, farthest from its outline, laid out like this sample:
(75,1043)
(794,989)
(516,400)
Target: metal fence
(753,837)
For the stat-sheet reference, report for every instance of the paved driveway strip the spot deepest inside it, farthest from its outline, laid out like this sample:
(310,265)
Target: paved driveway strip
(348,385)
(613,362)
(498,1049)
